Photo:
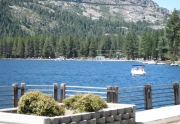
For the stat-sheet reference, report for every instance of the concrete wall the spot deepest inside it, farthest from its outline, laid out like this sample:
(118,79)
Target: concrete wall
(115,114)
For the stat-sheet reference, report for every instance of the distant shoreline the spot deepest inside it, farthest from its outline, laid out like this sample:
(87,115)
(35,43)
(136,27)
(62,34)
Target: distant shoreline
(69,59)
(23,59)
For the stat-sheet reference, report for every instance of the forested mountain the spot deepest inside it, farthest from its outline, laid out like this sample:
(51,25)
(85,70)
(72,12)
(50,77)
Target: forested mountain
(56,17)
(85,28)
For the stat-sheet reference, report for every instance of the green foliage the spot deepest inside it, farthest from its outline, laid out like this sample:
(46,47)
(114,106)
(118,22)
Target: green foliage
(85,103)
(69,102)
(172,60)
(36,103)
(173,35)
(131,46)
(68,33)
(44,19)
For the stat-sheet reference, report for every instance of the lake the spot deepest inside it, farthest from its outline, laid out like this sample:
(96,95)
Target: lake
(84,73)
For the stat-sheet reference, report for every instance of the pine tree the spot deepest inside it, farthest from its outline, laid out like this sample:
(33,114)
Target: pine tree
(92,49)
(20,47)
(173,35)
(131,46)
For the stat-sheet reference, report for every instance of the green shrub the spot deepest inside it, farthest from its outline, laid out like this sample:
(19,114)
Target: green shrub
(85,103)
(69,102)
(37,103)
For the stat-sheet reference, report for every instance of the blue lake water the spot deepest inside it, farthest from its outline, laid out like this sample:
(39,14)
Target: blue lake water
(84,73)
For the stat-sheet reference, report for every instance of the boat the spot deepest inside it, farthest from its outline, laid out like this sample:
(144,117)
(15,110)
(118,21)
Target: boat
(60,58)
(138,70)
(174,63)
(145,62)
(151,62)
(160,63)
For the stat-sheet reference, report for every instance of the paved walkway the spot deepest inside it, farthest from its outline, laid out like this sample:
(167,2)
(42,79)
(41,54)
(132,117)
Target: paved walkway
(164,115)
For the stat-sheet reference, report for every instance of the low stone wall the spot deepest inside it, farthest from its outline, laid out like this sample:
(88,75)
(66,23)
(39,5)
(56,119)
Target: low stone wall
(114,114)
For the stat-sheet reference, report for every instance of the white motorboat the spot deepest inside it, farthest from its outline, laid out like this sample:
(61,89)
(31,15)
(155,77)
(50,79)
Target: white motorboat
(160,63)
(151,62)
(145,62)
(138,70)
(174,64)
(60,58)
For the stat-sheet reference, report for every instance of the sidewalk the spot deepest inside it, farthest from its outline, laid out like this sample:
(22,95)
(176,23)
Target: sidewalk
(164,115)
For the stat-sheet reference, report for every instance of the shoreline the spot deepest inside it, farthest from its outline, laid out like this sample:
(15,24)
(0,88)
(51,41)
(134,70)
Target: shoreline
(71,59)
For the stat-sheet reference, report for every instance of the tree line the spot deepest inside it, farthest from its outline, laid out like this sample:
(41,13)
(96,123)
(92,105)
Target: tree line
(83,37)
(152,45)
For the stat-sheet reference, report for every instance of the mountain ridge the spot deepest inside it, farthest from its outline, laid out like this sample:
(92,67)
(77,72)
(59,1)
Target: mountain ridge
(46,16)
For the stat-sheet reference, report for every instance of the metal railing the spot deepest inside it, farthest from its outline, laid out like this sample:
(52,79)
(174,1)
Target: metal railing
(67,91)
(51,90)
(6,96)
(144,97)
(162,95)
(132,95)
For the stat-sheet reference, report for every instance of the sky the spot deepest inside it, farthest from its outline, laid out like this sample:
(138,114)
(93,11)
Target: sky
(169,4)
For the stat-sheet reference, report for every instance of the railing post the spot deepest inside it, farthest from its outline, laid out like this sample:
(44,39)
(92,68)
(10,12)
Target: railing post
(15,94)
(176,93)
(147,97)
(109,94)
(23,87)
(55,91)
(115,94)
(62,92)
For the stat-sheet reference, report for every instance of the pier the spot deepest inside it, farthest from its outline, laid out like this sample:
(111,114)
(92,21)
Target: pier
(154,103)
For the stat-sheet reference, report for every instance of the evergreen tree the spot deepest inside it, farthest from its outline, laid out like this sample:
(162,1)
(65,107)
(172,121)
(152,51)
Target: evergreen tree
(155,40)
(69,53)
(81,50)
(162,48)
(145,46)
(46,49)
(4,52)
(20,47)
(14,49)
(28,47)
(36,46)
(9,47)
(131,46)
(60,47)
(173,35)
(92,49)
(41,41)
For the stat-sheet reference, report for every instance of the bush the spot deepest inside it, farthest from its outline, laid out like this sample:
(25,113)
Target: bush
(37,103)
(85,103)
(69,102)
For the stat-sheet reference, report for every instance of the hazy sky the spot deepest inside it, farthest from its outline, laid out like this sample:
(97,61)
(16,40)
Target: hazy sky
(169,4)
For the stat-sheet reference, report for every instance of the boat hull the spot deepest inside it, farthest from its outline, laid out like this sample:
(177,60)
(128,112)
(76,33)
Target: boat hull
(138,72)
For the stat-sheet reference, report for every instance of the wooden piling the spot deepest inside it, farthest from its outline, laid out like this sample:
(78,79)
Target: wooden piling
(115,94)
(147,97)
(23,87)
(176,93)
(55,91)
(109,94)
(15,95)
(62,92)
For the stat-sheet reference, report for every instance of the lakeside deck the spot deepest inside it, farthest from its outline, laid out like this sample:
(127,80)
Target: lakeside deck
(163,115)
(147,98)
